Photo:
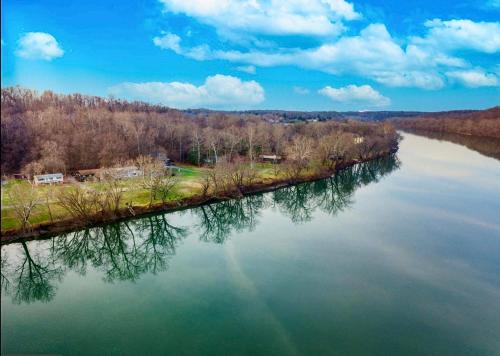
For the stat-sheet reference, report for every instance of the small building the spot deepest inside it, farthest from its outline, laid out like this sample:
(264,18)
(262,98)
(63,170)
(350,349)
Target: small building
(48,178)
(126,172)
(270,158)
(86,174)
(358,140)
(161,156)
(168,162)
(19,176)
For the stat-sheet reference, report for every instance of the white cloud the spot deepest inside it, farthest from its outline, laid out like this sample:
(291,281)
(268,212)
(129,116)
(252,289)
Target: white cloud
(274,17)
(39,45)
(358,94)
(374,54)
(474,78)
(247,69)
(218,91)
(168,41)
(300,90)
(462,34)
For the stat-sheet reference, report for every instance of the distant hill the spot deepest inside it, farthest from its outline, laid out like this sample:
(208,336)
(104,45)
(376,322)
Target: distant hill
(294,116)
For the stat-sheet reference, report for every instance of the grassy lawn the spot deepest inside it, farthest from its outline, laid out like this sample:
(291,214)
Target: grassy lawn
(188,185)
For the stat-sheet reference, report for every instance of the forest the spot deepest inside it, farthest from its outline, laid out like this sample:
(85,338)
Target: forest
(484,123)
(47,133)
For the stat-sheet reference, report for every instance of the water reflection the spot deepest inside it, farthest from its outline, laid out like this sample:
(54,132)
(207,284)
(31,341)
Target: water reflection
(487,146)
(126,250)
(32,277)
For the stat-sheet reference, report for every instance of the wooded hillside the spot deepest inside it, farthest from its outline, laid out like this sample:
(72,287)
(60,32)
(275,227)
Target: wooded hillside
(60,133)
(477,123)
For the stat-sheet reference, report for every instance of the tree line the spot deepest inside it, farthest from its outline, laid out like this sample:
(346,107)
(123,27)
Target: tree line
(485,123)
(47,132)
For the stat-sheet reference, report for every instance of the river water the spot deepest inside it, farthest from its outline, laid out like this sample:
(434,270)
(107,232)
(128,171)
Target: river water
(397,256)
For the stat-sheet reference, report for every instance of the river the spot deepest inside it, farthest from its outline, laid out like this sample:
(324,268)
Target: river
(396,256)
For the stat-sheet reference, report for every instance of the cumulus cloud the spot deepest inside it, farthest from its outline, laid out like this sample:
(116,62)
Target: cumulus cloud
(358,94)
(218,91)
(39,45)
(247,69)
(275,17)
(421,62)
(462,34)
(373,54)
(168,41)
(474,78)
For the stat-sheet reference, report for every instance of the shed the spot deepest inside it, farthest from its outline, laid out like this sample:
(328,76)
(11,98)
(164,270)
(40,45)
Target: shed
(84,174)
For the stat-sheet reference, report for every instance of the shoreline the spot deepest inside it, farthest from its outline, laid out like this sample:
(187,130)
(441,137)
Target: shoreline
(442,132)
(47,230)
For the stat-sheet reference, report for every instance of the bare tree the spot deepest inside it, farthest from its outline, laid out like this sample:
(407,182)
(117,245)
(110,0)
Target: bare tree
(251,133)
(24,201)
(79,202)
(111,195)
(156,178)
(298,155)
(197,140)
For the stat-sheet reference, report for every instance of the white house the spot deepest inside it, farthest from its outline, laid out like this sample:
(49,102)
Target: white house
(270,158)
(48,178)
(358,140)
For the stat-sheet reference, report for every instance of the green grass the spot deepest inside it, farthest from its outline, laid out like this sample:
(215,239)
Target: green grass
(188,185)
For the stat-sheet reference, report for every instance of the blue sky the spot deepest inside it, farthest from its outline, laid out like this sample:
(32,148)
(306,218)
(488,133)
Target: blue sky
(246,54)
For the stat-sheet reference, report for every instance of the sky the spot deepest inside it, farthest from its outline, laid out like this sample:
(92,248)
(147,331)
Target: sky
(424,55)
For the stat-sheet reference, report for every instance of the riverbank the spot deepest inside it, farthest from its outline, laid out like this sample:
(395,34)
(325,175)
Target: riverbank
(48,229)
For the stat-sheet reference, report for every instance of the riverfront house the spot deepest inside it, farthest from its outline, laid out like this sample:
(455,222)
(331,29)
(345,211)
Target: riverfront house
(270,158)
(358,140)
(48,178)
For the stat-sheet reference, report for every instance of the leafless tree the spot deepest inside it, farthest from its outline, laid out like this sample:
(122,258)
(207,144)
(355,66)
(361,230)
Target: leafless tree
(79,202)
(24,201)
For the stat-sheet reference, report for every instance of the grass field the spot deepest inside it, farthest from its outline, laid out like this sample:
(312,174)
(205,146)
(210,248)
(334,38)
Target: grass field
(188,185)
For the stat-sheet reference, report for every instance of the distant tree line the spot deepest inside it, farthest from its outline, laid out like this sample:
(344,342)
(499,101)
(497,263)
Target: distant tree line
(484,123)
(47,132)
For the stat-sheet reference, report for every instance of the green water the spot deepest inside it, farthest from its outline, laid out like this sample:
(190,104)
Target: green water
(395,257)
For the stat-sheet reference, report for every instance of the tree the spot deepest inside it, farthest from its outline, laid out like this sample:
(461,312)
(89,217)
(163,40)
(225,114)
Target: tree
(32,169)
(156,178)
(298,155)
(251,133)
(24,200)
(111,195)
(79,202)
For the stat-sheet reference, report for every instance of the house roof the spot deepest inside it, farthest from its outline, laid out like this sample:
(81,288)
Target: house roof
(51,175)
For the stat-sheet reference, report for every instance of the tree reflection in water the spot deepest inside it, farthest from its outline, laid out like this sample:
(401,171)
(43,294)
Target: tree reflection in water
(218,220)
(126,250)
(31,278)
(487,146)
